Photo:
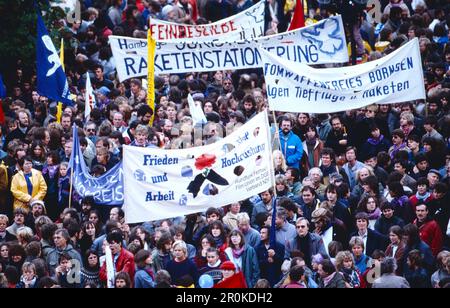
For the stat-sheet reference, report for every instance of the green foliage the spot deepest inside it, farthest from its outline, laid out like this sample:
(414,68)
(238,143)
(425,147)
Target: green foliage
(18,32)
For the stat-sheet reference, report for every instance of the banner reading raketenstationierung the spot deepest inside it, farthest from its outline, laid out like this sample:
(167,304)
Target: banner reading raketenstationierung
(162,184)
(295,87)
(245,25)
(320,43)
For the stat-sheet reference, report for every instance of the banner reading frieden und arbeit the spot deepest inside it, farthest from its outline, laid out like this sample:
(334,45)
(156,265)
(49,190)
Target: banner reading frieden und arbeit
(320,43)
(295,87)
(161,184)
(247,24)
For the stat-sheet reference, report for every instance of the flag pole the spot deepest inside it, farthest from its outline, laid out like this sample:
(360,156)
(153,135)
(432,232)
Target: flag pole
(73,155)
(272,240)
(71,187)
(151,44)
(276,136)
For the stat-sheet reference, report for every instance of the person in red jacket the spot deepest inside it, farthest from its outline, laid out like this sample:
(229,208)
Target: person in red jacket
(231,278)
(423,194)
(429,230)
(123,260)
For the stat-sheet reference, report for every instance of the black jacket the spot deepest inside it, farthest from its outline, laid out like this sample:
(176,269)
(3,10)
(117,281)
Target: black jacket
(15,134)
(8,238)
(216,11)
(270,271)
(439,210)
(375,241)
(383,224)
(333,142)
(337,282)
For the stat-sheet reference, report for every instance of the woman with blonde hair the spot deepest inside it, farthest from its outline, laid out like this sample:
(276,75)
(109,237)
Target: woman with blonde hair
(361,175)
(181,266)
(283,189)
(24,236)
(279,163)
(345,264)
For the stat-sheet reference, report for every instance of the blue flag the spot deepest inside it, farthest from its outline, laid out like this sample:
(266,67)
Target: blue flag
(51,79)
(106,189)
(2,88)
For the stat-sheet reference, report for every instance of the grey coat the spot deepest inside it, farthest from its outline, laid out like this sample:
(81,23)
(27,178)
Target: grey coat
(53,257)
(390,281)
(316,245)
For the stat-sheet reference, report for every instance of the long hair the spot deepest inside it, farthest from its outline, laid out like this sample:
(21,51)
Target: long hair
(234,233)
(124,276)
(343,256)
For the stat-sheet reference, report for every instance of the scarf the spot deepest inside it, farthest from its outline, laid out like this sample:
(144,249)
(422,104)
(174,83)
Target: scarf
(215,265)
(327,280)
(311,142)
(374,141)
(29,183)
(407,131)
(51,170)
(400,201)
(423,197)
(421,223)
(237,253)
(33,281)
(396,149)
(304,245)
(328,170)
(219,241)
(375,214)
(149,271)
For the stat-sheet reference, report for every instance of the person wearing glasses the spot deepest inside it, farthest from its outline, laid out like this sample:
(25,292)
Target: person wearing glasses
(227,84)
(337,139)
(306,242)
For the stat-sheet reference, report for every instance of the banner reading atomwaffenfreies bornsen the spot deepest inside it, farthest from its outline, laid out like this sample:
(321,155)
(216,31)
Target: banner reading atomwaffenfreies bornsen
(295,87)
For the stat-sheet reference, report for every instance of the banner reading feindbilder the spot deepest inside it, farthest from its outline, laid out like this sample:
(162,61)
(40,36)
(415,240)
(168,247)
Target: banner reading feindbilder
(320,43)
(247,24)
(161,184)
(295,87)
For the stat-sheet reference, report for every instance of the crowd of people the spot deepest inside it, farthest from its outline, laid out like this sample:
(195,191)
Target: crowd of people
(361,197)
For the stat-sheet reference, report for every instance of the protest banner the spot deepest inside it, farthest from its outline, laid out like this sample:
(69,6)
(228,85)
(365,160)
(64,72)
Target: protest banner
(295,87)
(162,184)
(106,189)
(320,43)
(247,24)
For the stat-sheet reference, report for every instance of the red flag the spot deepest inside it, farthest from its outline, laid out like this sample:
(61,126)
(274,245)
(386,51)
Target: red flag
(2,114)
(298,19)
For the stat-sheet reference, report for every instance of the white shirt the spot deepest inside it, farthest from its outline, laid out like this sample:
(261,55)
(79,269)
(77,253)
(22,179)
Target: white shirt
(394,250)
(364,237)
(236,261)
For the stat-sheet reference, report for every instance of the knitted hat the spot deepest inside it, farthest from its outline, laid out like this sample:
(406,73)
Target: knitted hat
(228,265)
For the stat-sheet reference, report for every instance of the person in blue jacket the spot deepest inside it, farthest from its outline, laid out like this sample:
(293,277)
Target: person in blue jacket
(291,144)
(144,276)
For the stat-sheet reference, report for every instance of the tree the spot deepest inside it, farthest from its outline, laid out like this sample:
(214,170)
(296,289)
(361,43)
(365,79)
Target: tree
(18,35)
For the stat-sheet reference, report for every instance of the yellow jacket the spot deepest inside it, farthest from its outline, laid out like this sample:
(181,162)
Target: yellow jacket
(19,189)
